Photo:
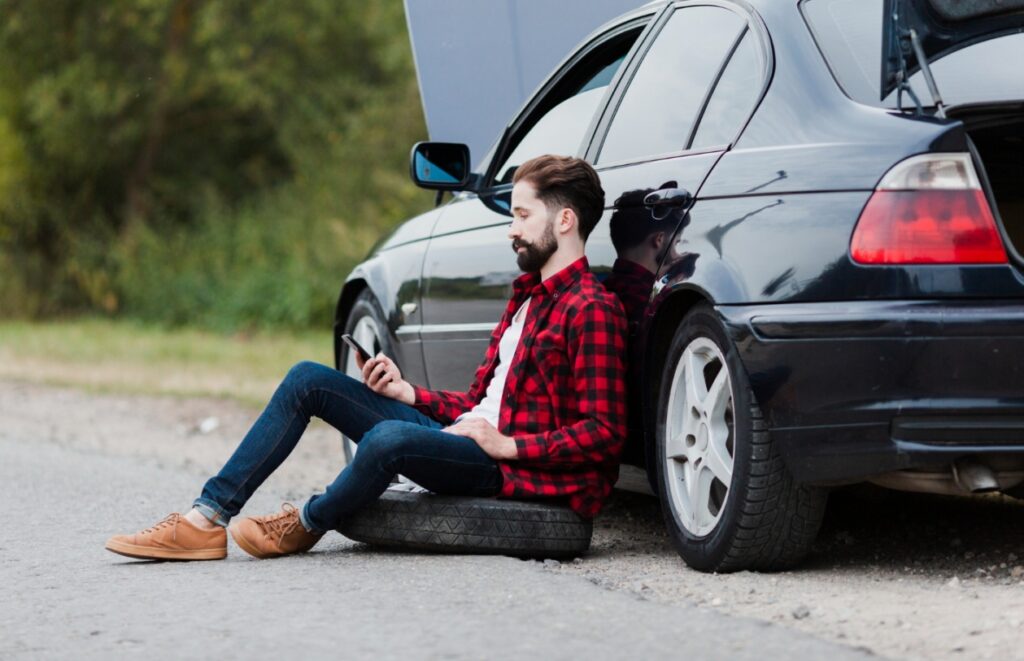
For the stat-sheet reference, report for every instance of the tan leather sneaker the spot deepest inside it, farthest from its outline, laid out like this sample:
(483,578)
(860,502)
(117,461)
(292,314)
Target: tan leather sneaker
(273,535)
(174,538)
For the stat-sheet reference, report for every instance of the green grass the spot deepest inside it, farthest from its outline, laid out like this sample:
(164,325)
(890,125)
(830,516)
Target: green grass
(122,356)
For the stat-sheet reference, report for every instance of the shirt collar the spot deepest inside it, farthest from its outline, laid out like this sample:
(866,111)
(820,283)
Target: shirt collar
(532,283)
(630,268)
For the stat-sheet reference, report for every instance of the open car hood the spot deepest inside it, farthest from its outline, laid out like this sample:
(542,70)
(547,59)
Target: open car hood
(943,26)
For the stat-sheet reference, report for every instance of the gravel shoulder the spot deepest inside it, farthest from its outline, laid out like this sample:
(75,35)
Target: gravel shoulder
(899,575)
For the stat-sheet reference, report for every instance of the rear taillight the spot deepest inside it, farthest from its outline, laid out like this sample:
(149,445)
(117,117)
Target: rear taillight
(929,209)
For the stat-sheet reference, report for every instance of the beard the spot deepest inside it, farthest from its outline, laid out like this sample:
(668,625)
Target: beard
(536,254)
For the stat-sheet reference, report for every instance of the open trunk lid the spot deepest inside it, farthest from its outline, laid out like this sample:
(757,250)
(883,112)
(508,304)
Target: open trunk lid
(941,26)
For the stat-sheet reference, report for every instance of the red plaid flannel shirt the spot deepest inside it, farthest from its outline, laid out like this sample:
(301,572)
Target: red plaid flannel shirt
(564,400)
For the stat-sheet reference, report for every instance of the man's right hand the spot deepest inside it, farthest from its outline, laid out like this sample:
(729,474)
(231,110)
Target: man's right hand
(384,378)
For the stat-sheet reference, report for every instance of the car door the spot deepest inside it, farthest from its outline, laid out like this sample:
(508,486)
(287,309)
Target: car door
(687,97)
(469,264)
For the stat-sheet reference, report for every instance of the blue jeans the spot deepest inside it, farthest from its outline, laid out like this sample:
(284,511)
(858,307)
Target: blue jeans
(393,438)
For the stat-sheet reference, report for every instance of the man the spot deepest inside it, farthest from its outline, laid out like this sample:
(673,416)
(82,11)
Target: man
(544,417)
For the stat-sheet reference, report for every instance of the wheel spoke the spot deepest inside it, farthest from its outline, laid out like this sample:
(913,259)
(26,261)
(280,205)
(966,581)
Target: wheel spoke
(690,476)
(717,458)
(676,447)
(718,395)
(702,497)
(695,390)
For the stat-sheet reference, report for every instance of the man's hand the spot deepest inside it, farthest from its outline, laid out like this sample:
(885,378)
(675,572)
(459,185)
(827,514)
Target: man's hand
(383,377)
(493,442)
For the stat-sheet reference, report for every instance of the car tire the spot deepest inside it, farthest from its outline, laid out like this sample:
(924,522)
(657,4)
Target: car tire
(367,326)
(729,502)
(455,524)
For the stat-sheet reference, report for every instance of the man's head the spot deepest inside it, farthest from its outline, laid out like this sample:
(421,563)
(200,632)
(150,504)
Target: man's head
(556,202)
(643,235)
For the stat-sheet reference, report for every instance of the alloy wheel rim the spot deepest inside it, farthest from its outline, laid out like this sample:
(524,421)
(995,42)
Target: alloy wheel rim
(365,333)
(700,431)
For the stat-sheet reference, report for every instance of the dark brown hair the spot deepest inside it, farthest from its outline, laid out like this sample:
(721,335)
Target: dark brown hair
(563,181)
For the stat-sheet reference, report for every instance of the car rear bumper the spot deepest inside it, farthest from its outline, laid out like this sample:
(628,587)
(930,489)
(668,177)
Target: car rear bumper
(856,389)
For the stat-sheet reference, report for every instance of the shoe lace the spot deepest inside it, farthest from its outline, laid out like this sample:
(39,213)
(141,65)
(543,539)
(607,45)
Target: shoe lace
(276,526)
(169,520)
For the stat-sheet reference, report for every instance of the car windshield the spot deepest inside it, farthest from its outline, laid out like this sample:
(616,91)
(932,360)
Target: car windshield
(849,34)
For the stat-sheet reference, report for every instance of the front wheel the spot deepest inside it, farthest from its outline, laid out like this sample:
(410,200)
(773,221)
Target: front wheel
(366,325)
(728,499)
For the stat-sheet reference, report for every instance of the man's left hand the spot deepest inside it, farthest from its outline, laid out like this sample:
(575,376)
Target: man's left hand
(493,442)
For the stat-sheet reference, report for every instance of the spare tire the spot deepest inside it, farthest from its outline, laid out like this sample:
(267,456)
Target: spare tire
(456,524)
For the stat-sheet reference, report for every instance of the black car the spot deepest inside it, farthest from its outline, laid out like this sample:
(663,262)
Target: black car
(826,199)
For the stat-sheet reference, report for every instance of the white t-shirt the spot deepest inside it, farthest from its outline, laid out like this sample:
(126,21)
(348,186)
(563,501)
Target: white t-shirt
(490,406)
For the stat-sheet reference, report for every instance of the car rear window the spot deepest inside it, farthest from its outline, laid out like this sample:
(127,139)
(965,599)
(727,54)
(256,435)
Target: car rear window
(661,103)
(849,35)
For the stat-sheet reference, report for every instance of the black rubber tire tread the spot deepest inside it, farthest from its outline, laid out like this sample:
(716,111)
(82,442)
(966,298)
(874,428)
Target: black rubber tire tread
(770,521)
(456,524)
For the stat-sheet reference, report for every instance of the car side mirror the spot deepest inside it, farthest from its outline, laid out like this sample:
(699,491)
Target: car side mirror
(440,165)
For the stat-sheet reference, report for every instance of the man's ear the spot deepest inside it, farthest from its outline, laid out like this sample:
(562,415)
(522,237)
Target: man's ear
(567,220)
(657,240)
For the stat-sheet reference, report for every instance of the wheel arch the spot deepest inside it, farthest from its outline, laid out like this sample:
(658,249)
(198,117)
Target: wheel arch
(664,320)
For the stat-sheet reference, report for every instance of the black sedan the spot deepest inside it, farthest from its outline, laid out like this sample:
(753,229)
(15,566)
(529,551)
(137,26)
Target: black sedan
(815,217)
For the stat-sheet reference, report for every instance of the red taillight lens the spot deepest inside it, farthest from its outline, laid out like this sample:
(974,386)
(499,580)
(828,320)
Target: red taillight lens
(929,209)
(927,227)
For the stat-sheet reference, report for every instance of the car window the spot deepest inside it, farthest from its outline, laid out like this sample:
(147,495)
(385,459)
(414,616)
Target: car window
(733,97)
(661,103)
(560,122)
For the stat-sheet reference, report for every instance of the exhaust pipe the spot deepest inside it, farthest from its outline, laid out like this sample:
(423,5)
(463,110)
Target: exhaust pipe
(974,476)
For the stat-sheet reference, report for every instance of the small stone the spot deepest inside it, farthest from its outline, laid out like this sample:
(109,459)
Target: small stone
(1011,557)
(1017,571)
(717,601)
(953,582)
(801,612)
(577,561)
(208,425)
(968,555)
(551,563)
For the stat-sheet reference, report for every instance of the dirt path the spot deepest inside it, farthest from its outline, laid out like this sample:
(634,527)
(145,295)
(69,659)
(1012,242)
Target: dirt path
(904,576)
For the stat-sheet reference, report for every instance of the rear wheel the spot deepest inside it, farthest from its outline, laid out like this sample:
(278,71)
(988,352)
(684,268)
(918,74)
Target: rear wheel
(366,325)
(728,500)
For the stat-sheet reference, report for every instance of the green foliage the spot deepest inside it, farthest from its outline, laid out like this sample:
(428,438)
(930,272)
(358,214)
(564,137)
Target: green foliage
(223,163)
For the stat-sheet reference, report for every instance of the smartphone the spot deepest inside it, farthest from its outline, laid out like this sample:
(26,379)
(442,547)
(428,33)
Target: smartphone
(355,346)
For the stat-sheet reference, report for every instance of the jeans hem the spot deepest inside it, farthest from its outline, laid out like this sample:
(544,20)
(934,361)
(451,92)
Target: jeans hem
(212,511)
(304,520)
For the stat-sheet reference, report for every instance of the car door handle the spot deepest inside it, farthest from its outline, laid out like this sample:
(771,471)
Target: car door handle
(668,197)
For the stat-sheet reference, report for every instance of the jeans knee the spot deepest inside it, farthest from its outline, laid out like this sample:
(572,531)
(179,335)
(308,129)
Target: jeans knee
(386,441)
(303,371)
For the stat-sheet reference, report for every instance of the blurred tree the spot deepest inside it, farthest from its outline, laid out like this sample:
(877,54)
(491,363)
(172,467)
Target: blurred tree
(125,119)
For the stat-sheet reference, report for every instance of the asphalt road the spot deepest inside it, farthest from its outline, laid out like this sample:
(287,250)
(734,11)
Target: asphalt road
(65,596)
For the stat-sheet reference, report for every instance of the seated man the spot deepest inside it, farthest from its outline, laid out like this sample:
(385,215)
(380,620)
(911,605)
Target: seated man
(544,417)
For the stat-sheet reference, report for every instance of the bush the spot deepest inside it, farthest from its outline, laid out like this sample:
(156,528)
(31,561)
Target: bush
(222,164)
